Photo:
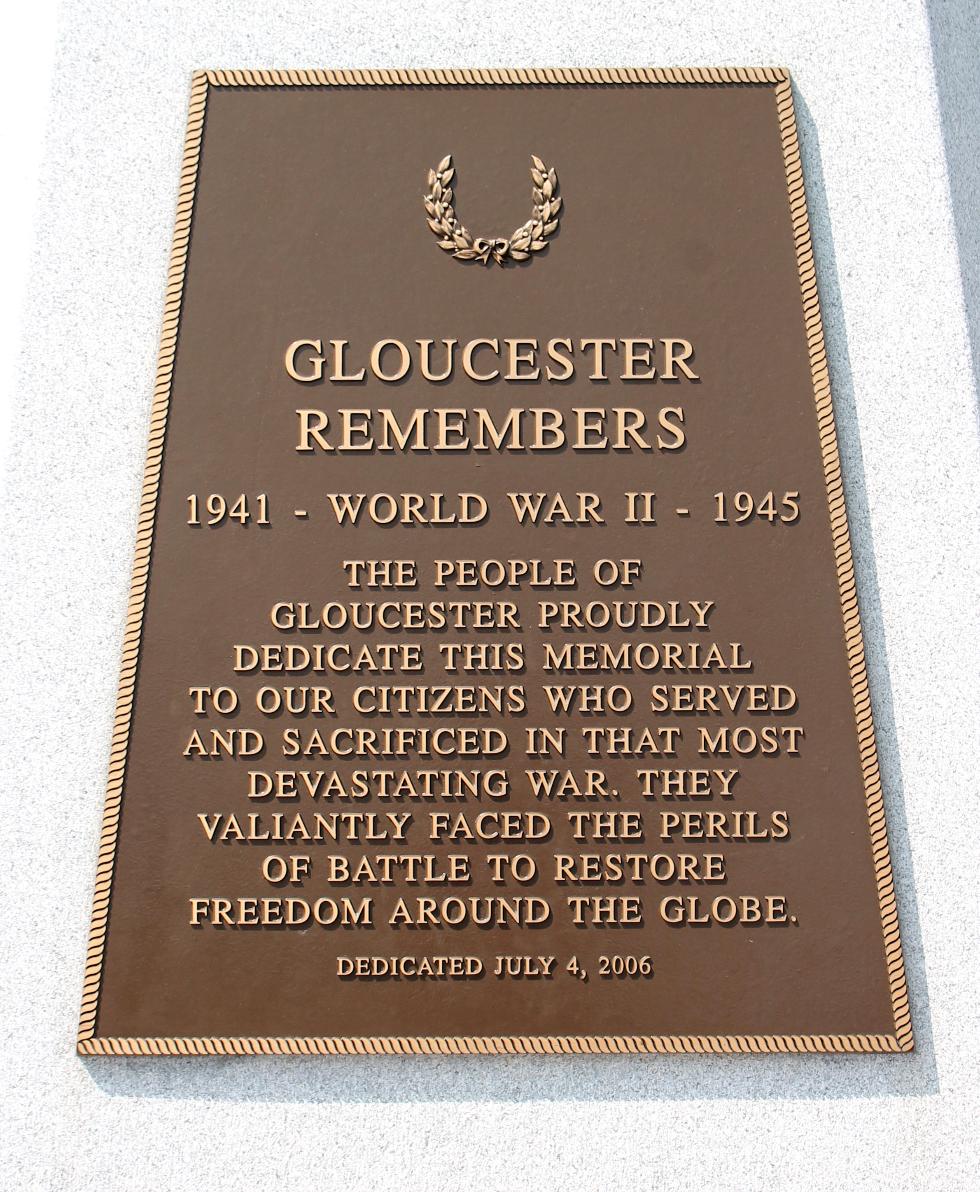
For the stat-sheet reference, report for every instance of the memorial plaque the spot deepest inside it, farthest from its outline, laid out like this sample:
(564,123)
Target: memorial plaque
(493,678)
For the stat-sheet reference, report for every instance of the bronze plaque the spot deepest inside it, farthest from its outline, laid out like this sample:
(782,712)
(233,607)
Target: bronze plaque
(493,679)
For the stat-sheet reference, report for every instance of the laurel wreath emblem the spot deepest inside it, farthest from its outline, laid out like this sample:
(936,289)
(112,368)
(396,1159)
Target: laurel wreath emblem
(529,238)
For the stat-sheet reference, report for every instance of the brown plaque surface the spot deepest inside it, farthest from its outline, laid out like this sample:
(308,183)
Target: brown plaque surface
(566,744)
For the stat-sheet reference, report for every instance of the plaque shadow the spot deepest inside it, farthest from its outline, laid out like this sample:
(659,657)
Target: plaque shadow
(519,1079)
(954,33)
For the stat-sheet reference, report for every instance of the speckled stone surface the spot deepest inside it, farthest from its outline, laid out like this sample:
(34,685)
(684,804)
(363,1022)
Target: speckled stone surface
(899,338)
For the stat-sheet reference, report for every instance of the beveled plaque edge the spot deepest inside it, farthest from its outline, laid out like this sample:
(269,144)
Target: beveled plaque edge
(91,1044)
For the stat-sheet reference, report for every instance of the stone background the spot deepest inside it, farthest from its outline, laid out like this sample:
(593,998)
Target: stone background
(888,101)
